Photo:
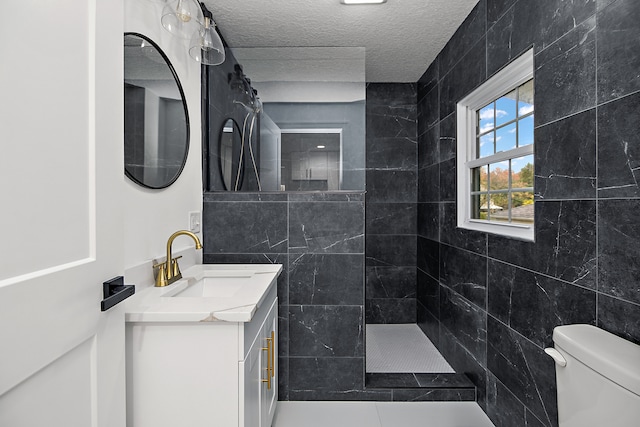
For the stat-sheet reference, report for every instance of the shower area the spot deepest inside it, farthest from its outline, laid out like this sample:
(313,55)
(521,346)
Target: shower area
(403,211)
(361,312)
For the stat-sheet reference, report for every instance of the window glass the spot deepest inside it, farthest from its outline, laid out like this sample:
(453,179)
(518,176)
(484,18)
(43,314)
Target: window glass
(522,172)
(499,176)
(486,118)
(506,108)
(502,191)
(525,131)
(525,99)
(480,179)
(506,138)
(485,144)
(506,123)
(522,207)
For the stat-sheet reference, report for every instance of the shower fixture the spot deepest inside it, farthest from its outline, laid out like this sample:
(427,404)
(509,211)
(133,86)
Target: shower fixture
(254,109)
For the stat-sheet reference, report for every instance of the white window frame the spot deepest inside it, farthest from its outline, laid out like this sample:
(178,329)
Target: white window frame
(518,72)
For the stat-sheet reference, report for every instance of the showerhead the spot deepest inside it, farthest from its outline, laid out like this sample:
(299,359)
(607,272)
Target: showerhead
(254,107)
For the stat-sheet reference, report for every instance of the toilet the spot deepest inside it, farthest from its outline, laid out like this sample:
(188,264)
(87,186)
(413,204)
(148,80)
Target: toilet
(598,378)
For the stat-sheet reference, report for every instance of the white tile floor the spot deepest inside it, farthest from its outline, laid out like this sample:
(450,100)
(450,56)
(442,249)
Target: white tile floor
(402,348)
(380,414)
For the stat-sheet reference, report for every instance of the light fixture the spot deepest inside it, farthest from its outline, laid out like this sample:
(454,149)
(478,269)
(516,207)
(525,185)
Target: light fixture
(206,46)
(363,1)
(191,20)
(321,146)
(182,17)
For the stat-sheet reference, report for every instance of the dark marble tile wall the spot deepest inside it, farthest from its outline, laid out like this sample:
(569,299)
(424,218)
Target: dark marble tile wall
(490,303)
(319,239)
(391,211)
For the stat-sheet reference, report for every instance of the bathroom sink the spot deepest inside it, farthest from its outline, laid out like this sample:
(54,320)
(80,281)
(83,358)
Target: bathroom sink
(208,293)
(224,285)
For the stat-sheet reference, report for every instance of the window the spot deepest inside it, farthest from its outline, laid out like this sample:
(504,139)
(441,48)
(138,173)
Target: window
(495,153)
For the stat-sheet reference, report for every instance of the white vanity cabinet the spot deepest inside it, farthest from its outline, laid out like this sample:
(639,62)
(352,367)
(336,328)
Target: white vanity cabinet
(261,365)
(207,373)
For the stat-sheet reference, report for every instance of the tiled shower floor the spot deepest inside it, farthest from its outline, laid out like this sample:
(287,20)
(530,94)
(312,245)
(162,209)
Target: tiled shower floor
(402,348)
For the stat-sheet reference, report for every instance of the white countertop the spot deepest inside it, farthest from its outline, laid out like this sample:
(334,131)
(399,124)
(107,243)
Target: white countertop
(153,304)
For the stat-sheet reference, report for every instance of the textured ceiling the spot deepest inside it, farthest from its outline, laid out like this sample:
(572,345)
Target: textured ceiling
(401,37)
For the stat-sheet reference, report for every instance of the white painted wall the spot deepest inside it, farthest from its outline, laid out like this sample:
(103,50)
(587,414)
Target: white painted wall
(152,215)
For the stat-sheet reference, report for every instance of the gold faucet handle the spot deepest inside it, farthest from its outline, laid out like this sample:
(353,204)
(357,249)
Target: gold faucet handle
(159,265)
(161,277)
(175,267)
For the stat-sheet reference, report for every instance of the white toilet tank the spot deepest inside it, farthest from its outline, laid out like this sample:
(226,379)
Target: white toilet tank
(600,384)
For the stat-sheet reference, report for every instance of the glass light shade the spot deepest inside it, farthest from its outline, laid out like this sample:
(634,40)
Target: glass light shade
(182,17)
(206,46)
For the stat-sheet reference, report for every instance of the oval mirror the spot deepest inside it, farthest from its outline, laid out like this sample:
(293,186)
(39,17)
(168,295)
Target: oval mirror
(231,154)
(156,120)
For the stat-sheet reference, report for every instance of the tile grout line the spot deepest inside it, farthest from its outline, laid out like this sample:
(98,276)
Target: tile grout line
(597,201)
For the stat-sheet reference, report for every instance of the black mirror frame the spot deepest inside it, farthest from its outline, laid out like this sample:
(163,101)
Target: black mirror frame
(186,117)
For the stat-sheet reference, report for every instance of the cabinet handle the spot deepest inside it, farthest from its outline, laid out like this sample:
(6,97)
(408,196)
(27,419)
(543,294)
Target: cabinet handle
(269,350)
(268,381)
(273,353)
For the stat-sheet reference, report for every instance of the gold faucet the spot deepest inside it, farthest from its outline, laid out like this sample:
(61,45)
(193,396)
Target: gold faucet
(169,271)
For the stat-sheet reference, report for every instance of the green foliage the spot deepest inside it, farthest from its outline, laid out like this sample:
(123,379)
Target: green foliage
(526,175)
(499,180)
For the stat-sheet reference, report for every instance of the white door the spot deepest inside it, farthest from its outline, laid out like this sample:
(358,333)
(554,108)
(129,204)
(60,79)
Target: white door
(61,127)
